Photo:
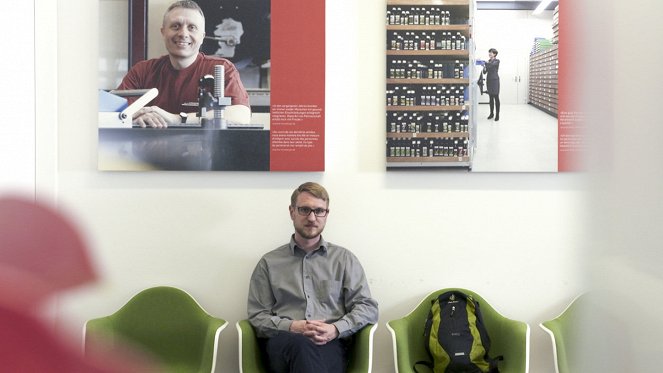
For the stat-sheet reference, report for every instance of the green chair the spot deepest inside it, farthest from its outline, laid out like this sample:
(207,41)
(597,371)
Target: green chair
(509,338)
(251,360)
(594,334)
(564,331)
(165,323)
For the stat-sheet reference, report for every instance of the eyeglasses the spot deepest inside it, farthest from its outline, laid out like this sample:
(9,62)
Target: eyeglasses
(306,211)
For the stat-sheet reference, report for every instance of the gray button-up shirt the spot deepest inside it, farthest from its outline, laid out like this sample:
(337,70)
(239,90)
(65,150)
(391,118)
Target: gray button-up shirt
(326,284)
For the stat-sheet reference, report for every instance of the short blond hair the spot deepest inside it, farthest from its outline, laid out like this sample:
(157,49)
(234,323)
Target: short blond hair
(317,190)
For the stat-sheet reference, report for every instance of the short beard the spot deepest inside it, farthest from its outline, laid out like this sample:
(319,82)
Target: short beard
(304,234)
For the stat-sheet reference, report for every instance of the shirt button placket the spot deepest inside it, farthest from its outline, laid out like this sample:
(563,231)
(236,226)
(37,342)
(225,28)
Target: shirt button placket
(308,289)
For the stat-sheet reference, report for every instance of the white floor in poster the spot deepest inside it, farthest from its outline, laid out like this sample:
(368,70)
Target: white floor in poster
(524,140)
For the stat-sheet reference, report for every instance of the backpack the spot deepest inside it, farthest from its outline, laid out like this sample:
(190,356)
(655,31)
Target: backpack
(480,83)
(455,336)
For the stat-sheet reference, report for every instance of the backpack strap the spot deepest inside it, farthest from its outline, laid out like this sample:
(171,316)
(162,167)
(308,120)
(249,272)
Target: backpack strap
(424,363)
(493,364)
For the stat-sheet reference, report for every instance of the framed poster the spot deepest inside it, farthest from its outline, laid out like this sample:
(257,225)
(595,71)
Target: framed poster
(281,65)
(465,92)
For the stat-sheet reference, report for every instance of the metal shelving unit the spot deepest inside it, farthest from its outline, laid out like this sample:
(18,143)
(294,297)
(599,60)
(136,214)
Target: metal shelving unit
(543,74)
(431,85)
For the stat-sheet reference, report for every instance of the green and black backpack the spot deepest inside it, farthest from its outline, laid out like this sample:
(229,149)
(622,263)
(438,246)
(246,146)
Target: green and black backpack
(456,337)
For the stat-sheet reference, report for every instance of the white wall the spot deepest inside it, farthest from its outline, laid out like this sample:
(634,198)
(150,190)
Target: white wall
(627,206)
(415,232)
(17,105)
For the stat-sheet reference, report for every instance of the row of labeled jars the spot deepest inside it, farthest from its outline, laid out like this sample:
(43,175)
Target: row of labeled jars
(427,95)
(431,122)
(423,40)
(418,16)
(416,69)
(428,147)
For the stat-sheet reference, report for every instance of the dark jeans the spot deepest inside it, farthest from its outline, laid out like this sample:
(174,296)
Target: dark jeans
(293,353)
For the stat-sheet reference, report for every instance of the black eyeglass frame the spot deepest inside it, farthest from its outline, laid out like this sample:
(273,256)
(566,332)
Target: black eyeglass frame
(306,211)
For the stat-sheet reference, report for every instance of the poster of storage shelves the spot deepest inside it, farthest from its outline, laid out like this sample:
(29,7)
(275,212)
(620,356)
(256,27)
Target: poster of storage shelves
(464,92)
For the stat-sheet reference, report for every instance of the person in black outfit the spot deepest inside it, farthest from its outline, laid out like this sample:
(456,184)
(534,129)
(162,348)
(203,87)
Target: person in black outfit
(490,68)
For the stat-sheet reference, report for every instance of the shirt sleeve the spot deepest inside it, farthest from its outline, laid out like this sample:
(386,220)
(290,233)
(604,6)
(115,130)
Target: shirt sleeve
(261,302)
(235,88)
(133,79)
(361,308)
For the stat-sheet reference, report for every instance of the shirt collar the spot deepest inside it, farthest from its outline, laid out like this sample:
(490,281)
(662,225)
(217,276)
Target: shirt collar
(323,246)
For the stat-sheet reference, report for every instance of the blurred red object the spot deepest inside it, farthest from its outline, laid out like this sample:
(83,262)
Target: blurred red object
(41,254)
(27,345)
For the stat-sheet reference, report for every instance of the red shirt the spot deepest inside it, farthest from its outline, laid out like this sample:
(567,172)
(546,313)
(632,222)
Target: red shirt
(177,87)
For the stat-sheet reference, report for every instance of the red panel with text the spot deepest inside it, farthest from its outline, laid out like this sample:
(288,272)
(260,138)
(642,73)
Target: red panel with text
(297,121)
(571,144)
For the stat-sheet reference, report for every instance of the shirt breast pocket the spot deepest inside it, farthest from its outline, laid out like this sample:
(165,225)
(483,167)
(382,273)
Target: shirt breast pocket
(329,292)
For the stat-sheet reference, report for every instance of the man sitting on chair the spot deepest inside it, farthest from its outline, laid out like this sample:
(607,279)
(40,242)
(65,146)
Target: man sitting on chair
(307,296)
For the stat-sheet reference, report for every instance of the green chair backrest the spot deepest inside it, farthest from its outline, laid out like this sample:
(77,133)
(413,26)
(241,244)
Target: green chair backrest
(593,335)
(509,338)
(168,324)
(567,330)
(361,350)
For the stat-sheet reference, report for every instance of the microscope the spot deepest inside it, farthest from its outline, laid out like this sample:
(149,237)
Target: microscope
(211,96)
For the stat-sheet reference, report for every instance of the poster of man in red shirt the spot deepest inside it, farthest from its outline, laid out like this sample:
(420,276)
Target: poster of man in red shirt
(229,93)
